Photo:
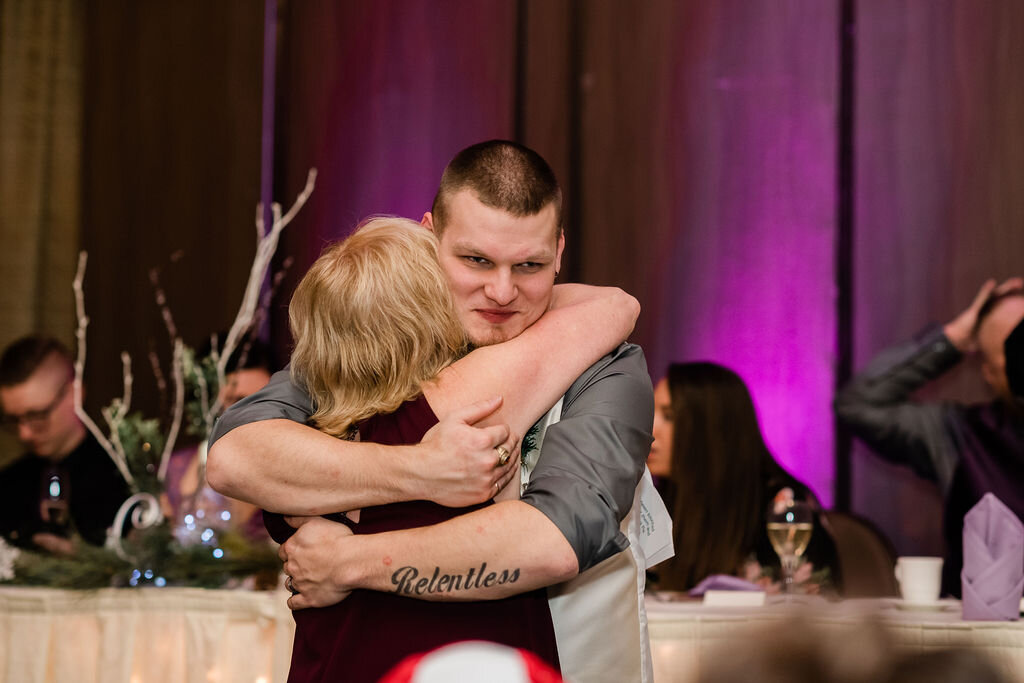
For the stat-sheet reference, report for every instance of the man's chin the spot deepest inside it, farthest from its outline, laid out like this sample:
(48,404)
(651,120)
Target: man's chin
(478,341)
(492,335)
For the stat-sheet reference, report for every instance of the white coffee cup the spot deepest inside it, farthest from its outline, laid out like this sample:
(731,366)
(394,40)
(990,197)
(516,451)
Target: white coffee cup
(920,578)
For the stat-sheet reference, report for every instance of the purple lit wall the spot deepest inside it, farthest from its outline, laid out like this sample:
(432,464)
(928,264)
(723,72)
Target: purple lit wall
(729,168)
(697,147)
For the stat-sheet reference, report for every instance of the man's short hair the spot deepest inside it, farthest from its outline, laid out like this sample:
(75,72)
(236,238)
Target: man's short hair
(503,175)
(24,356)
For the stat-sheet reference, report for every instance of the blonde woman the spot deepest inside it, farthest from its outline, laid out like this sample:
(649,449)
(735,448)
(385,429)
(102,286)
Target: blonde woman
(380,349)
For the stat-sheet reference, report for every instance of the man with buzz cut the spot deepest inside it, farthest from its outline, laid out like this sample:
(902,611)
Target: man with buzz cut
(498,219)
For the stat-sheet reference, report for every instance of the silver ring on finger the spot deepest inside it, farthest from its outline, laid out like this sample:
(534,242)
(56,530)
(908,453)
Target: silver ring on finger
(288,585)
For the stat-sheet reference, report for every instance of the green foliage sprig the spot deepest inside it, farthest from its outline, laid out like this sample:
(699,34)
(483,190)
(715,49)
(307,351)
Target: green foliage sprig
(157,550)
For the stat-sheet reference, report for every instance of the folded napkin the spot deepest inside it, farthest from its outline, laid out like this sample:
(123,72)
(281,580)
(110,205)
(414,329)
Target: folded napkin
(723,582)
(993,575)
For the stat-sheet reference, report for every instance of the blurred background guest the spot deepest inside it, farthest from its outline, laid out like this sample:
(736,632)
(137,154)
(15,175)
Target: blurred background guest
(860,651)
(949,666)
(247,371)
(968,450)
(65,483)
(718,478)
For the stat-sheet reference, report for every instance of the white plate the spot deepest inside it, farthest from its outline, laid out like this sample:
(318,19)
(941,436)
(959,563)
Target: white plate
(734,598)
(943,605)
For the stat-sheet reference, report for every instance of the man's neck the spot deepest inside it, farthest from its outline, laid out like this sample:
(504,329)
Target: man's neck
(73,441)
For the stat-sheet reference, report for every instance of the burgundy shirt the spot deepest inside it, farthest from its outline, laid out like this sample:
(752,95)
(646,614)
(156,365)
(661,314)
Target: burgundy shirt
(365,635)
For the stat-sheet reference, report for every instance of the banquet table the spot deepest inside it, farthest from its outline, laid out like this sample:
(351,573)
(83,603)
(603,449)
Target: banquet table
(144,635)
(687,636)
(174,635)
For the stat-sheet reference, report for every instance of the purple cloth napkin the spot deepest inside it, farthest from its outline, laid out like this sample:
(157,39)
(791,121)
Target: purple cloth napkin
(993,573)
(722,582)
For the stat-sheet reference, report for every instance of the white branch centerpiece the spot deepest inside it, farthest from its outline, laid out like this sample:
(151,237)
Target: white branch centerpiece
(141,448)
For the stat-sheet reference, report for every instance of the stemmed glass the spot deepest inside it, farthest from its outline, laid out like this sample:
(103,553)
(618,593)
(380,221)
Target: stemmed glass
(790,523)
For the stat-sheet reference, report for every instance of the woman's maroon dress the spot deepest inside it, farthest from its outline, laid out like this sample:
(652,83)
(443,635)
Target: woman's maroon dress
(363,636)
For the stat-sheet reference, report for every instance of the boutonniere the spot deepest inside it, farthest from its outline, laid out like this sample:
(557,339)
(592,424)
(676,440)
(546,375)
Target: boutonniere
(528,455)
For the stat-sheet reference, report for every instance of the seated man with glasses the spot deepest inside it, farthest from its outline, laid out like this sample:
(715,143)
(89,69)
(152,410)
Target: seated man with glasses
(65,483)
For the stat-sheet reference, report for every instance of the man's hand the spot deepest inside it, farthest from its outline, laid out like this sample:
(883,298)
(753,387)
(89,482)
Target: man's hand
(960,331)
(312,558)
(458,463)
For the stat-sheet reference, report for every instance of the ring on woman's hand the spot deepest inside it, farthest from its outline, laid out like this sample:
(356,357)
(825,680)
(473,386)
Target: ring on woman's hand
(503,455)
(288,584)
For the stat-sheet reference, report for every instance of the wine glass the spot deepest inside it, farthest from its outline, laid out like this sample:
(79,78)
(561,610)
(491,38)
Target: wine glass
(790,523)
(53,504)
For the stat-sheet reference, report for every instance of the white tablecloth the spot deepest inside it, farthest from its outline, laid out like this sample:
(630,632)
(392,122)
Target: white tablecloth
(175,635)
(146,635)
(686,635)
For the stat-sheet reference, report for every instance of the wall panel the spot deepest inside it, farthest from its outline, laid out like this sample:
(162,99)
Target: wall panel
(709,189)
(940,160)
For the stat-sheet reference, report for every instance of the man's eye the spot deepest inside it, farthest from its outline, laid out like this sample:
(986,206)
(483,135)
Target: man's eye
(476,260)
(529,266)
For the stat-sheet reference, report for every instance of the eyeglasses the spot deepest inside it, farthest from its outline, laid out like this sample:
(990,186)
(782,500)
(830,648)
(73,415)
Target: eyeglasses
(36,420)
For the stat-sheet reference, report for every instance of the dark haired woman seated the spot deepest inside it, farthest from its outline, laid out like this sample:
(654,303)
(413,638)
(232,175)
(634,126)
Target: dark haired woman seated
(718,479)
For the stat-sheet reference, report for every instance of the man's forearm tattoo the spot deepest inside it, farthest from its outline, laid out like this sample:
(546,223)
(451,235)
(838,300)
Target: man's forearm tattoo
(407,580)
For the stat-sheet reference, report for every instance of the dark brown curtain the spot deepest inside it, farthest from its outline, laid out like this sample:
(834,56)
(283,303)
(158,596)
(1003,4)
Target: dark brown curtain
(940,164)
(377,96)
(697,141)
(171,177)
(708,188)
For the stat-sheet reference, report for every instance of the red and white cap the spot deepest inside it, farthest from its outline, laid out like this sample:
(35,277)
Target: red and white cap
(472,661)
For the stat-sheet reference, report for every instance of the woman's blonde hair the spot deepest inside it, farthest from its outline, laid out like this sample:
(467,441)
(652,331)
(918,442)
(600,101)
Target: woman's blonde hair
(372,320)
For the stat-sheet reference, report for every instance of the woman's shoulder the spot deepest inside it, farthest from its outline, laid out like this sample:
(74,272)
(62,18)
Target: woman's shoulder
(406,425)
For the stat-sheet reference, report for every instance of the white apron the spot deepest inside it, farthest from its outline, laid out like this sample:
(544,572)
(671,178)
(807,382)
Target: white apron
(599,617)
